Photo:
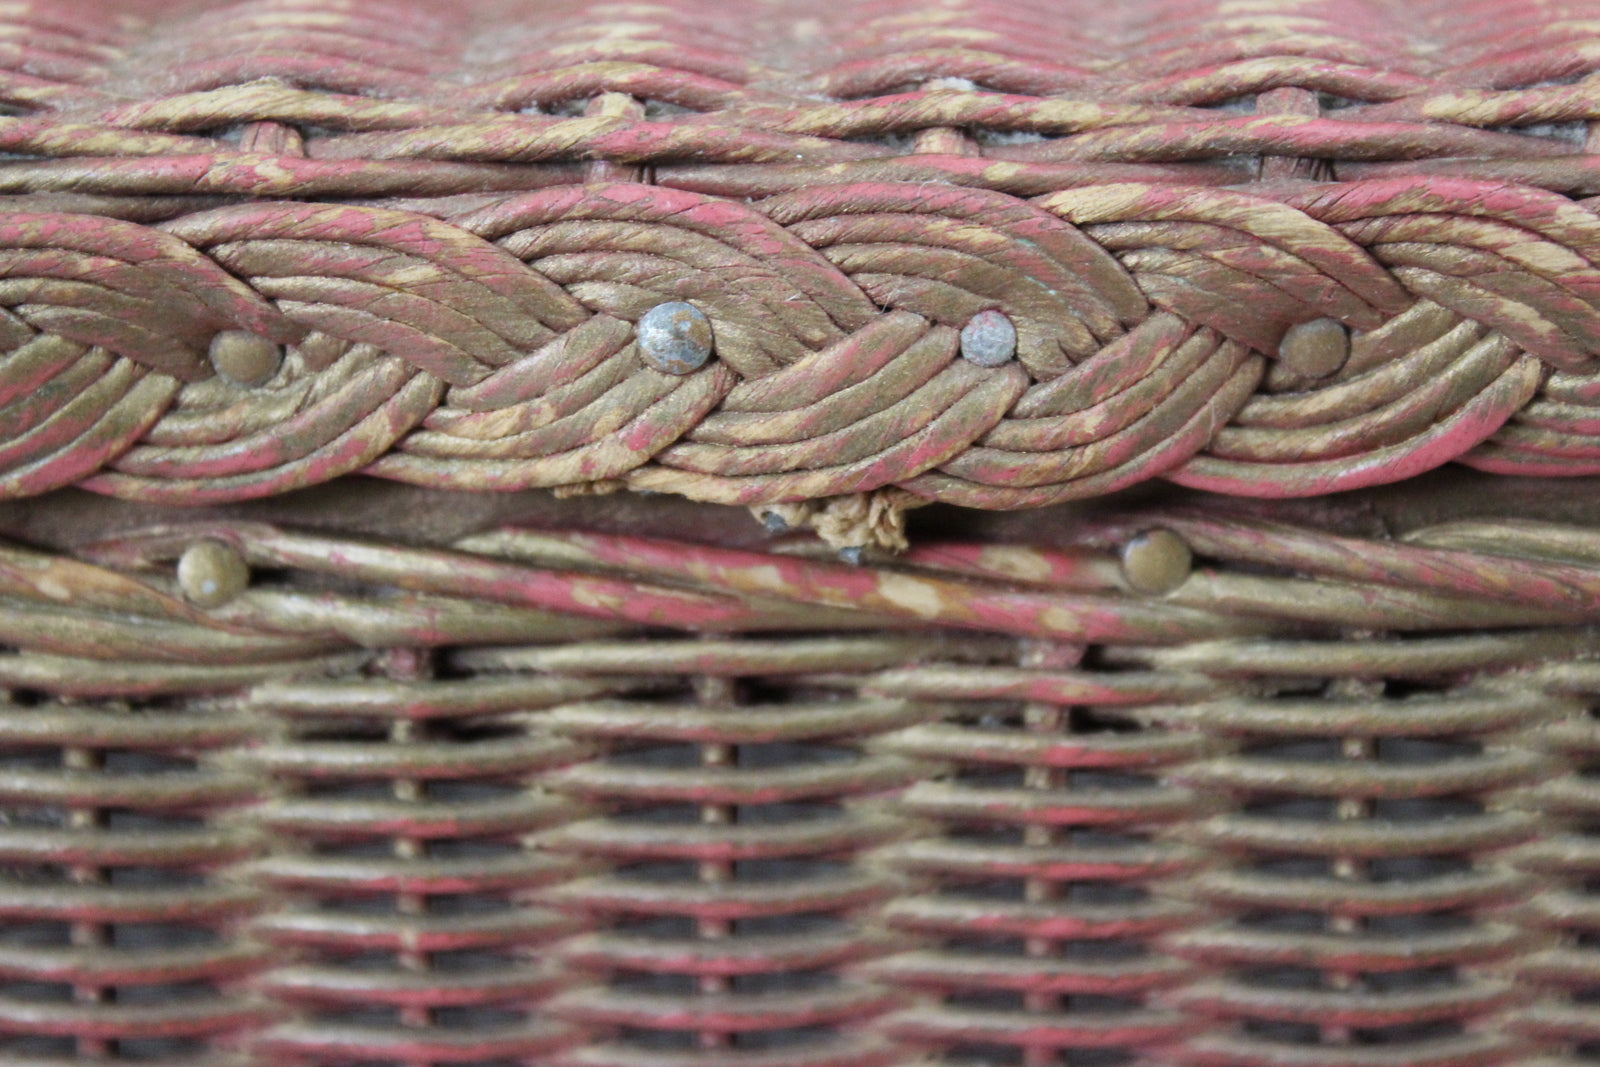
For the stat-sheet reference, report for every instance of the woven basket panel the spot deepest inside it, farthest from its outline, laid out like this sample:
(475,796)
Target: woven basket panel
(1279,249)
(343,785)
(564,798)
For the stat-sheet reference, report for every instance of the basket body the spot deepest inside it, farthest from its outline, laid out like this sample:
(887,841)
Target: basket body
(1170,632)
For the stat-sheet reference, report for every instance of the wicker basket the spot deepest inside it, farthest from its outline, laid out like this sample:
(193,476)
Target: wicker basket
(1165,635)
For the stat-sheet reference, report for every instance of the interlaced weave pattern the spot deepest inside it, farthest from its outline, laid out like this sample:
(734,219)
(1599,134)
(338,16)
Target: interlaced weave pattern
(1274,249)
(592,800)
(350,778)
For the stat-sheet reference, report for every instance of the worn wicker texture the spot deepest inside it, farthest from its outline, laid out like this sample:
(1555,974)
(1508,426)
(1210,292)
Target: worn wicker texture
(547,797)
(299,795)
(452,214)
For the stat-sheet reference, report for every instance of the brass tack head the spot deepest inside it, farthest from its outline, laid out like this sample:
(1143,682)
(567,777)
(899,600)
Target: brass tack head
(245,358)
(211,573)
(675,338)
(989,340)
(1315,349)
(853,555)
(1156,562)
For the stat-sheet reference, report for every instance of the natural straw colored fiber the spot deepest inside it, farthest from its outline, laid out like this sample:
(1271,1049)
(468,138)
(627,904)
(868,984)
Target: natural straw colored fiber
(1090,763)
(1272,248)
(536,796)
(1182,786)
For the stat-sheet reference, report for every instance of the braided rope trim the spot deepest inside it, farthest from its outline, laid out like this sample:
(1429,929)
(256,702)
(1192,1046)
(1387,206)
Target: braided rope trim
(493,349)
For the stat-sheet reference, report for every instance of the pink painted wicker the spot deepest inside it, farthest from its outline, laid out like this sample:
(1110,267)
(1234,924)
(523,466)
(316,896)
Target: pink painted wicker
(389,674)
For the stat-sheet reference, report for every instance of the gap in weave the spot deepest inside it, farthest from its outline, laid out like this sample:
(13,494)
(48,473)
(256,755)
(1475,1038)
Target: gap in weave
(1282,977)
(790,812)
(22,1046)
(1415,979)
(1411,750)
(800,981)
(982,1055)
(1426,809)
(358,731)
(984,776)
(345,789)
(162,935)
(37,933)
(1285,921)
(476,1017)
(1569,133)
(1294,809)
(775,754)
(163,992)
(782,1037)
(985,999)
(657,110)
(663,927)
(654,983)
(1092,720)
(1418,868)
(658,1040)
(1283,1033)
(1099,779)
(989,137)
(1427,922)
(1010,1055)
(471,848)
(114,761)
(477,790)
(904,144)
(1103,950)
(152,877)
(146,822)
(159,1049)
(1290,866)
(1409,1033)
(450,905)
(797,924)
(38,992)
(376,1016)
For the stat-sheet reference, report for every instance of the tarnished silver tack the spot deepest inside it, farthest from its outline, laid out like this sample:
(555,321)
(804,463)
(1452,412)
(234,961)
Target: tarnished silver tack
(675,338)
(245,358)
(211,573)
(989,339)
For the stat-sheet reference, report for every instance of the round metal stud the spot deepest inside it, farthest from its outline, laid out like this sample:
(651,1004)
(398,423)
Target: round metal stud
(211,573)
(675,338)
(1315,349)
(1156,562)
(245,358)
(989,339)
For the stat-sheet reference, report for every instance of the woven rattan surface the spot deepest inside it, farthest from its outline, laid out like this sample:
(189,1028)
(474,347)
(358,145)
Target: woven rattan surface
(1273,248)
(1323,798)
(368,775)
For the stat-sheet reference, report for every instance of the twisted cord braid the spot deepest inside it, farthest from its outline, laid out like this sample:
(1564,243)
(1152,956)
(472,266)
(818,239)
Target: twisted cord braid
(495,347)
(452,226)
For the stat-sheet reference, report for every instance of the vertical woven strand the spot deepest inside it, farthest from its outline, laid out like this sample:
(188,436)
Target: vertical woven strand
(119,938)
(404,933)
